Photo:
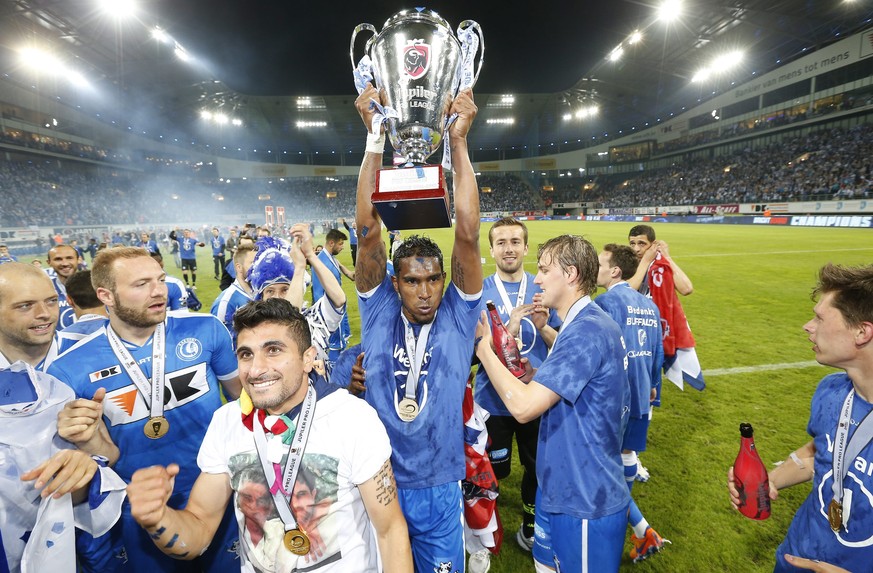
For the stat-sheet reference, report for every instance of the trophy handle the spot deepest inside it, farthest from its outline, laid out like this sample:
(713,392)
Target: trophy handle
(358,29)
(478,30)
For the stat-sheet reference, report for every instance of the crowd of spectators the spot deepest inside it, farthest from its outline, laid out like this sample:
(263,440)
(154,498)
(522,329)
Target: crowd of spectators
(833,163)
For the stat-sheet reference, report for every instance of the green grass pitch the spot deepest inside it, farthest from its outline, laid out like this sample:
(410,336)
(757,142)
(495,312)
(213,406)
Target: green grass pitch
(750,301)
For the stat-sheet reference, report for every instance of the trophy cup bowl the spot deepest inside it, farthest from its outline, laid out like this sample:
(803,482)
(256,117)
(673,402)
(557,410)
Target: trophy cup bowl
(416,66)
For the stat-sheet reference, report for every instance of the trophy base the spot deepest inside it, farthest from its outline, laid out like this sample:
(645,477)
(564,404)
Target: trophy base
(412,198)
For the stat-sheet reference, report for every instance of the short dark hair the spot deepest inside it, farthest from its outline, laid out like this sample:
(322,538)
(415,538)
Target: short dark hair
(573,251)
(81,291)
(335,235)
(276,310)
(506,222)
(417,246)
(156,256)
(624,258)
(646,230)
(852,288)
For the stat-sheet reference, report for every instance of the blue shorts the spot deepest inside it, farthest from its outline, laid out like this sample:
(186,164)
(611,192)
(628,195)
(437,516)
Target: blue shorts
(635,434)
(435,517)
(570,544)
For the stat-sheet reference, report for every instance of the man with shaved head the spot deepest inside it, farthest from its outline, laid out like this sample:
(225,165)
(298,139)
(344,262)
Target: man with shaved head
(64,261)
(28,316)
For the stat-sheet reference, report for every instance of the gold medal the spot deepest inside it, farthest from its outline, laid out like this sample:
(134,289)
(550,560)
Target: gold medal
(296,542)
(408,409)
(835,514)
(156,428)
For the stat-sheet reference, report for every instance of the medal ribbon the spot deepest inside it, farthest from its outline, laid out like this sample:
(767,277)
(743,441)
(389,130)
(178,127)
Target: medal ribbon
(282,495)
(415,351)
(464,79)
(848,449)
(152,391)
(519,299)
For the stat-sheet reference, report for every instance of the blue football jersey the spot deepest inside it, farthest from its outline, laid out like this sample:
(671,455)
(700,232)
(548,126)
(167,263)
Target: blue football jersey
(217,245)
(810,534)
(187,247)
(579,464)
(429,450)
(338,339)
(199,353)
(66,314)
(224,307)
(532,345)
(87,324)
(177,294)
(640,324)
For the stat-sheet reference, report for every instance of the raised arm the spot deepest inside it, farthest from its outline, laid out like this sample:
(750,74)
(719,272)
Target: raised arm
(466,257)
(680,279)
(332,289)
(181,534)
(372,257)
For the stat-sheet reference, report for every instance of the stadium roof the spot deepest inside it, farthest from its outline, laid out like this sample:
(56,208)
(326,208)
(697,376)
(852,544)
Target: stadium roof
(272,64)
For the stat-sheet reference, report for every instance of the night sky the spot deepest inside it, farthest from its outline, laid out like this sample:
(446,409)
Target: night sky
(269,47)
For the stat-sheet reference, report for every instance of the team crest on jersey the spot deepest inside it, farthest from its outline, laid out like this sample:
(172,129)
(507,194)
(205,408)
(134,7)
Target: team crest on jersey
(416,58)
(189,349)
(126,405)
(642,337)
(444,567)
(104,373)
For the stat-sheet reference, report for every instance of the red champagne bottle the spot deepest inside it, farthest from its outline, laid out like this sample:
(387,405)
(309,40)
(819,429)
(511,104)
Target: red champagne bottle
(750,478)
(504,343)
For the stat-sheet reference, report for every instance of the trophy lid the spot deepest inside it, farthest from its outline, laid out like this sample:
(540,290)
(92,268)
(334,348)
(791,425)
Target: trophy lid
(422,14)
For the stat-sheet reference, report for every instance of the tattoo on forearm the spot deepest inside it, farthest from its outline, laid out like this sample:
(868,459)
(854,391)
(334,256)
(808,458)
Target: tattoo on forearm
(172,541)
(386,487)
(457,273)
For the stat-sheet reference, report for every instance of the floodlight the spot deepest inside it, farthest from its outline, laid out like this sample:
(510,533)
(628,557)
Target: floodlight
(236,121)
(40,60)
(634,38)
(501,121)
(670,10)
(701,75)
(616,54)
(220,118)
(508,99)
(119,8)
(727,61)
(568,117)
(161,35)
(206,114)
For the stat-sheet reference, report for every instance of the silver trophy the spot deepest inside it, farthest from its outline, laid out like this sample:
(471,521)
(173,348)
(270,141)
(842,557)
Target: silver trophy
(420,66)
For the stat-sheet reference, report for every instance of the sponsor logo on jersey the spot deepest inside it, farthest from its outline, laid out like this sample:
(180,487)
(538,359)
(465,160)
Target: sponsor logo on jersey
(189,349)
(105,373)
(126,405)
(642,337)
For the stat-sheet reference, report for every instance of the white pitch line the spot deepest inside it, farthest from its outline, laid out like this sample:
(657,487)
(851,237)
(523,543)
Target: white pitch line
(759,368)
(775,253)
